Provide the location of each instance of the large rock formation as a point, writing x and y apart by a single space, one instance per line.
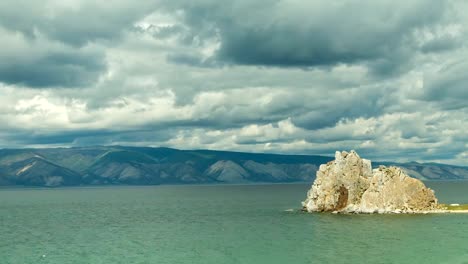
348 184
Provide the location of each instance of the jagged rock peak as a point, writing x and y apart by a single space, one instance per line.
348 184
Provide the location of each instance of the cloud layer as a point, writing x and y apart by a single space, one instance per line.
284 76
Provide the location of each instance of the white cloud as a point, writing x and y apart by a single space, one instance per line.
155 80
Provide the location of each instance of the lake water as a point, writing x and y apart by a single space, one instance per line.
217 224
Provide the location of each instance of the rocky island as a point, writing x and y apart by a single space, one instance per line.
348 184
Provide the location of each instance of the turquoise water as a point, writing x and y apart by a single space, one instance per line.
217 224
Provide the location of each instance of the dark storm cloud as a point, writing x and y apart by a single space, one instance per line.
347 103
63 69
89 137
61 31
449 83
72 22
125 137
302 34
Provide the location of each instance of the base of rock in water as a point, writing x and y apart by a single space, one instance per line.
349 185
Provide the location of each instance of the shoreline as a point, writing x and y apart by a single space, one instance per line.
386 213
396 212
457 211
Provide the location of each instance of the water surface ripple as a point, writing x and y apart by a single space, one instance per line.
217 224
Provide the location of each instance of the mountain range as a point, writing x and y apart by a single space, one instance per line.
118 165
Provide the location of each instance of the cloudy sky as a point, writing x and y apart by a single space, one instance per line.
387 78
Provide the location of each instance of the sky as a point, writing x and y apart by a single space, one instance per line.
386 78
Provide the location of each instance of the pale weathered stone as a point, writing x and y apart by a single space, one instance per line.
391 189
348 184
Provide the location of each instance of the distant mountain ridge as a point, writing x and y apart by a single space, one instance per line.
152 166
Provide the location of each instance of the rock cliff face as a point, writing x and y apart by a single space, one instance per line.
348 184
